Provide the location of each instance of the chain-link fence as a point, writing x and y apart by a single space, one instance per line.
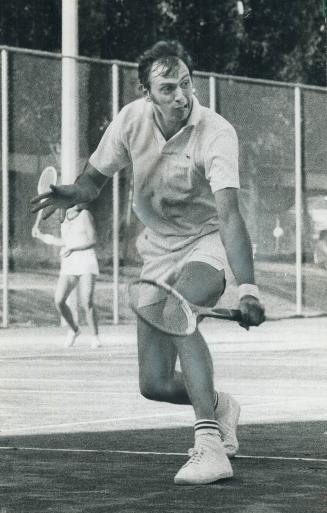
263 114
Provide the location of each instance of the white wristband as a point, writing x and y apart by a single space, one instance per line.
248 289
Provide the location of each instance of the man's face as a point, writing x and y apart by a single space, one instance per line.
171 93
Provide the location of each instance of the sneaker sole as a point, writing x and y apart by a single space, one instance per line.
225 475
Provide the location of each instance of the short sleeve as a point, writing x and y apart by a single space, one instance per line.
111 154
221 160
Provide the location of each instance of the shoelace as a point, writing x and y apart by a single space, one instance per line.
195 455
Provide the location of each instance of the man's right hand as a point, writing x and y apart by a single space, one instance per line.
59 197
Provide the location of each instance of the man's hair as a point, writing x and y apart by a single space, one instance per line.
166 53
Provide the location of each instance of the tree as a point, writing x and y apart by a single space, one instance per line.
284 43
271 40
31 24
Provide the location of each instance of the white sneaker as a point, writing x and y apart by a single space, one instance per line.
227 415
208 462
95 342
71 337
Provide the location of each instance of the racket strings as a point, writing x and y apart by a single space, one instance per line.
160 308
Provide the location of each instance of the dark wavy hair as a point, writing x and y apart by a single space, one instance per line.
166 53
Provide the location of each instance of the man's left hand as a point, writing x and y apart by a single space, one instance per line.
253 312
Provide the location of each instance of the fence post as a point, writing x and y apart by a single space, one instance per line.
212 93
298 197
115 201
5 185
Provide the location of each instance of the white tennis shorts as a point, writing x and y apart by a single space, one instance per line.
164 258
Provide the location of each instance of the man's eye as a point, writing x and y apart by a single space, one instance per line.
185 84
166 89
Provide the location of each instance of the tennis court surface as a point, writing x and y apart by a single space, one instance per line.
76 436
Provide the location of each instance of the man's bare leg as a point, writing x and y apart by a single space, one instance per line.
200 284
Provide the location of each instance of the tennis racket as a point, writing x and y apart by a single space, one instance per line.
161 306
48 177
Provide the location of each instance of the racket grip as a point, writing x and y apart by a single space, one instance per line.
235 315
225 313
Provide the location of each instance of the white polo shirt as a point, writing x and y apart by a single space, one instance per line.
174 180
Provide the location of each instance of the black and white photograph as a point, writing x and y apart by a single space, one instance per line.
163 218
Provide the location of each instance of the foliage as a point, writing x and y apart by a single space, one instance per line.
31 24
272 40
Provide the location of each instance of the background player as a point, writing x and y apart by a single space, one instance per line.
79 266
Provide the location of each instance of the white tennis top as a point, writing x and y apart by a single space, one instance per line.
174 180
74 233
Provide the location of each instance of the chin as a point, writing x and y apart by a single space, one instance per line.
183 113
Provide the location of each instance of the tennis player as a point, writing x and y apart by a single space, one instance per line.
79 265
186 181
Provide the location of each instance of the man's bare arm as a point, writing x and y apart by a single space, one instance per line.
235 236
238 248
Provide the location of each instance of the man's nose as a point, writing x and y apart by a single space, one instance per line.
179 96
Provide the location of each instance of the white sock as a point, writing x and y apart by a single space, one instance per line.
206 427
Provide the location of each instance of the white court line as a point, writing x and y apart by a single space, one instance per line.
66 353
107 391
284 402
136 417
99 421
93 422
63 392
155 453
141 417
281 458
67 380
67 358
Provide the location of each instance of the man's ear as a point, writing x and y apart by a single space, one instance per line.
146 93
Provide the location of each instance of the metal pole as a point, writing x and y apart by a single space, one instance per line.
212 93
298 198
115 207
69 98
69 107
5 185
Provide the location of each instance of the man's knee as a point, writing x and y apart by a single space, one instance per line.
153 389
201 284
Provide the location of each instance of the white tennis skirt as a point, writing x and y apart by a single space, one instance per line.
80 262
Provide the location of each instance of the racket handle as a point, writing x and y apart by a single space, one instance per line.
225 313
235 315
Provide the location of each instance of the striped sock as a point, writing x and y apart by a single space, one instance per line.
206 427
215 404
